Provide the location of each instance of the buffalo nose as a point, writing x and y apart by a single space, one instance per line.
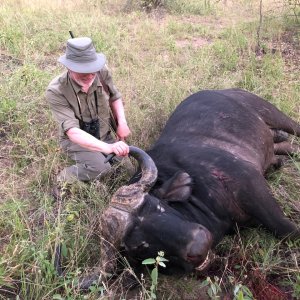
199 246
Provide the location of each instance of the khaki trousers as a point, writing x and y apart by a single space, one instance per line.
89 165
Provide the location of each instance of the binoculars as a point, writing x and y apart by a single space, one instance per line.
92 127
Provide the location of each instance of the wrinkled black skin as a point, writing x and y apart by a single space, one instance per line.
227 189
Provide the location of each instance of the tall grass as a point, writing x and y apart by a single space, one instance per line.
157 60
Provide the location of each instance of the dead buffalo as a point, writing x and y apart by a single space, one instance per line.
204 175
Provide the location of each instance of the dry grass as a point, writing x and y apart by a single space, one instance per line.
157 60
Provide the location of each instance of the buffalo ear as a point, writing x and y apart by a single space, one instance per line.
176 189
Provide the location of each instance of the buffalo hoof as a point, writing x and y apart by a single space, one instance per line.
279 136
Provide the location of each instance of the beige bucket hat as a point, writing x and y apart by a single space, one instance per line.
81 56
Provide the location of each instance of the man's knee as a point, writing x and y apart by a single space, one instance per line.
88 166
97 169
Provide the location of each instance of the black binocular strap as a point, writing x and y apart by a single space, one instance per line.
96 104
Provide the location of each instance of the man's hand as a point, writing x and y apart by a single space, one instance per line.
119 148
117 108
123 131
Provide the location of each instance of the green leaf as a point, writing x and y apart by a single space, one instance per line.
57 297
70 217
64 250
149 261
214 289
261 252
240 295
204 283
154 276
162 264
163 259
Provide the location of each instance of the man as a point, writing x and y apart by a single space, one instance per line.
84 101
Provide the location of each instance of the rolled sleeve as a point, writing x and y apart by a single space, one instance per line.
107 77
62 112
68 124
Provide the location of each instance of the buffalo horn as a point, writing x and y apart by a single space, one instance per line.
117 217
128 198
147 165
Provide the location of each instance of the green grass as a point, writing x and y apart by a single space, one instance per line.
157 60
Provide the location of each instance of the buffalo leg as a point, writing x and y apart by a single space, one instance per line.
286 148
279 135
264 208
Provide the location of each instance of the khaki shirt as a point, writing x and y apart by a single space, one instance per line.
63 94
